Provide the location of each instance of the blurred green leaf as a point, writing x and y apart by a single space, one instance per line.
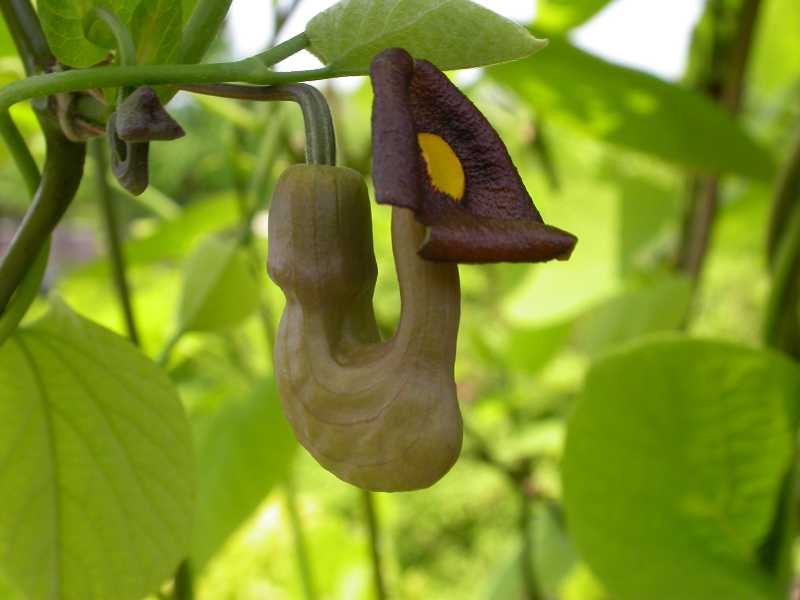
63 24
531 348
98 475
7 47
506 581
234 113
156 29
554 556
776 58
630 108
243 453
673 472
219 290
175 237
553 561
559 16
659 305
452 34
539 439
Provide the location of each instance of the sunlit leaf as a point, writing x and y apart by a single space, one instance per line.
97 471
673 471
630 108
559 16
219 290
244 452
452 34
63 22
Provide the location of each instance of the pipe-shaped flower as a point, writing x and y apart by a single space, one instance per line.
436 154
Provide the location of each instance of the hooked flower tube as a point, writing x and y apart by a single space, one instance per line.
437 155
383 414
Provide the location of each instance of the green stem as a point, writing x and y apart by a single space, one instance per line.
703 205
24 296
282 16
262 176
19 152
164 356
247 71
300 544
126 49
25 29
247 210
781 328
376 558
320 136
183 587
113 239
201 28
283 50
60 180
785 203
526 548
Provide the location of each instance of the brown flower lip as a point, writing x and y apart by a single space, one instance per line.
437 155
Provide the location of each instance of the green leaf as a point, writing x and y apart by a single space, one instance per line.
559 16
452 34
219 290
244 452
156 29
97 470
661 305
675 458
63 24
632 109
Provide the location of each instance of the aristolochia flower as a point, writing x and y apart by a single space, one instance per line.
436 154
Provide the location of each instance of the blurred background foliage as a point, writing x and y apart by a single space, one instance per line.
611 154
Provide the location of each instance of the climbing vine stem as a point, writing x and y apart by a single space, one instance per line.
113 238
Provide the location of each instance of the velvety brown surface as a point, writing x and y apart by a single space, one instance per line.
397 168
496 221
129 160
142 118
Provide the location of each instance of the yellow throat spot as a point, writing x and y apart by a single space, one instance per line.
444 168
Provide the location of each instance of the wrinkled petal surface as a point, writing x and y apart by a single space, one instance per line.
494 219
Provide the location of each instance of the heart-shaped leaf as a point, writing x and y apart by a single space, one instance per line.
675 465
96 464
